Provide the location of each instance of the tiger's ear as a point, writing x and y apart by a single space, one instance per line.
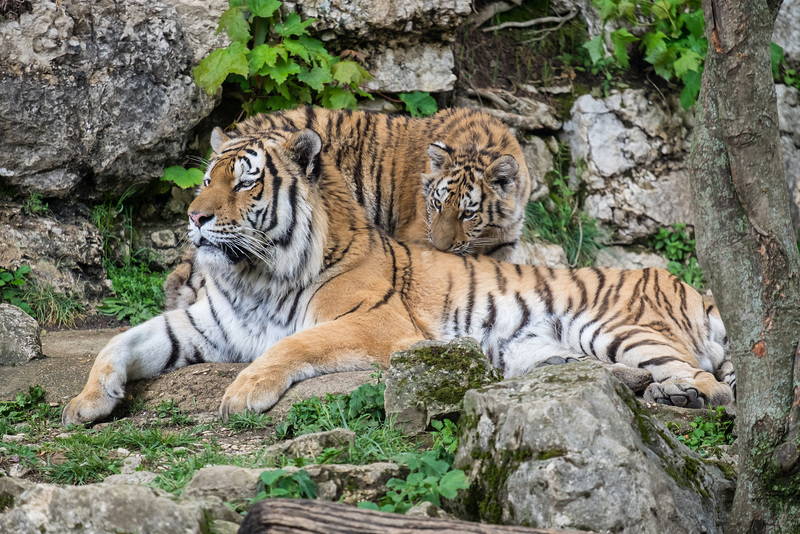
440 156
305 147
502 173
218 138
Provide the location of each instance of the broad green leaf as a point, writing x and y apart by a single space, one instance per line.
620 38
293 26
213 70
282 70
694 22
627 9
348 72
776 55
596 49
183 178
260 56
366 505
689 61
263 8
234 22
269 477
451 482
419 104
315 78
278 102
691 87
297 48
607 8
338 98
22 269
315 47
662 9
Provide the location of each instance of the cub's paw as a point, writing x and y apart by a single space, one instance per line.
675 392
250 391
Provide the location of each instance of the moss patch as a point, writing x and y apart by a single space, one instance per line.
487 493
6 501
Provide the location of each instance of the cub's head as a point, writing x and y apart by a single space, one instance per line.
253 197
471 199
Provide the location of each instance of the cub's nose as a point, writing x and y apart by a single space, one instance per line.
199 219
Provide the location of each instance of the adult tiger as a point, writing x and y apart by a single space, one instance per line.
467 195
300 283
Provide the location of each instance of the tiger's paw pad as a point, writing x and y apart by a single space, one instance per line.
675 393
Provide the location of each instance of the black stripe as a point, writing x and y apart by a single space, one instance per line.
357 306
175 352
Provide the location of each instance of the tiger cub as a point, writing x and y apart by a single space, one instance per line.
456 180
301 283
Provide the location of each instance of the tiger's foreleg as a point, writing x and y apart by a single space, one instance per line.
144 351
352 343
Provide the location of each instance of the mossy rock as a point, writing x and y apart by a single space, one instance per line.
429 381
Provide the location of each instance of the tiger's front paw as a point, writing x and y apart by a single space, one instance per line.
252 391
101 394
676 392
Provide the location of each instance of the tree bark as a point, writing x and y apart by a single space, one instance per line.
747 247
296 516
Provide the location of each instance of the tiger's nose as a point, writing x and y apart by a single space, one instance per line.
199 219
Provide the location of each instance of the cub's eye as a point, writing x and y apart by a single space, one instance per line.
206 181
468 214
437 205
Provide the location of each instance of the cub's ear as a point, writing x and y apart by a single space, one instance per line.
502 173
440 156
305 147
218 138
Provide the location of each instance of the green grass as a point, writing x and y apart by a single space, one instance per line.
138 293
708 433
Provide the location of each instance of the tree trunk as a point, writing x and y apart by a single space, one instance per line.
747 247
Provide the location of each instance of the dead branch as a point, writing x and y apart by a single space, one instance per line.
535 22
491 10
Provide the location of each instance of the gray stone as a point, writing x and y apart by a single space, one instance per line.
629 258
789 124
634 151
137 477
539 159
20 340
569 447
423 67
787 30
108 85
335 482
544 254
10 491
100 508
429 380
312 445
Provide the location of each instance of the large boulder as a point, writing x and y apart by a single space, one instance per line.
789 125
570 447
100 89
19 336
634 148
787 30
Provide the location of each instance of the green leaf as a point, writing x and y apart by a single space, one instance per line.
315 78
348 72
183 178
627 9
234 22
315 47
270 477
689 61
607 8
263 8
620 38
419 104
776 55
282 70
366 505
596 49
296 47
691 87
260 56
451 482
293 26
213 70
338 98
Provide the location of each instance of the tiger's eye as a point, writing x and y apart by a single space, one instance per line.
469 214
437 205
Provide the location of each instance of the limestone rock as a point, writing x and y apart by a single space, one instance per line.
312 445
544 254
335 482
99 508
569 447
789 124
422 67
628 258
19 336
539 159
100 88
635 149
787 30
429 380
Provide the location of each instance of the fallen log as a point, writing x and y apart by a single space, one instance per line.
294 516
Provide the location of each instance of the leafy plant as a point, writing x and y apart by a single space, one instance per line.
35 206
419 104
138 291
673 41
275 62
249 421
708 433
431 475
182 177
11 290
279 483
678 246
19 410
780 70
558 218
171 414
45 304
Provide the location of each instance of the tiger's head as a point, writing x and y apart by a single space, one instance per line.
471 199
253 205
